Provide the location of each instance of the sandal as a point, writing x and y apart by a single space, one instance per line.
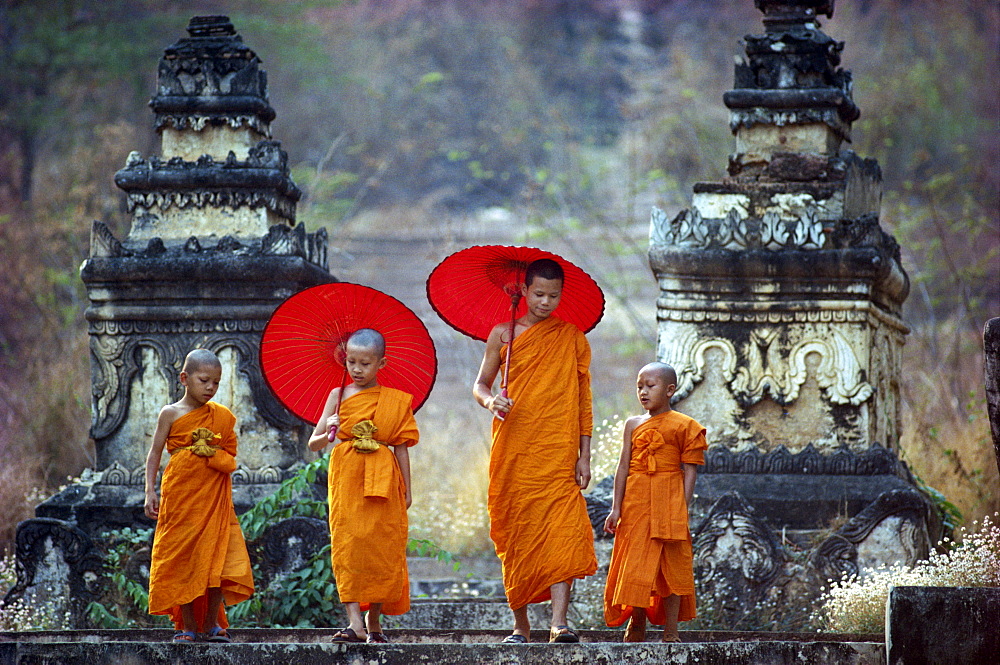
563 635
514 639
185 636
346 635
218 634
671 639
376 637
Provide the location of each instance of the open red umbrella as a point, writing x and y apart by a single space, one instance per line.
472 289
476 288
302 348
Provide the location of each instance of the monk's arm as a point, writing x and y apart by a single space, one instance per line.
163 422
321 433
621 476
690 475
482 390
402 453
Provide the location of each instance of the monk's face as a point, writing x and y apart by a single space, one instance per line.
363 364
542 296
201 383
654 390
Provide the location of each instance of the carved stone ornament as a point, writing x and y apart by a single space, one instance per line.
891 529
211 77
766 365
117 474
688 230
875 460
260 181
56 562
736 556
116 361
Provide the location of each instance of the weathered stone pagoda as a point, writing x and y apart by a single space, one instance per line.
213 249
780 300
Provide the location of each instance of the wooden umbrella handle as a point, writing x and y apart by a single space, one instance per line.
514 300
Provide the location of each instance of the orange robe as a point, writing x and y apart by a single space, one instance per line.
198 543
538 517
367 496
652 558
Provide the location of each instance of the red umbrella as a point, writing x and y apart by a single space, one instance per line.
476 288
302 348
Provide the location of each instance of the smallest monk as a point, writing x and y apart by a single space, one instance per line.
651 575
368 489
199 556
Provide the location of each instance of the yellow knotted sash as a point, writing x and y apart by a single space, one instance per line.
660 464
201 443
379 469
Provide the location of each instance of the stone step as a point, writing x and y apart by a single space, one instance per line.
463 615
312 646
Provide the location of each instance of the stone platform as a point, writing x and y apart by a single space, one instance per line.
312 646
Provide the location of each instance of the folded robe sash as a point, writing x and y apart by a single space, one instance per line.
662 465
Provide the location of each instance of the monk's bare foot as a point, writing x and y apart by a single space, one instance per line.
635 631
670 637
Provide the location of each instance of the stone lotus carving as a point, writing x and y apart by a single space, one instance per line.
688 230
117 474
767 365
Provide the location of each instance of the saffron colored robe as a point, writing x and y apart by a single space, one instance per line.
198 543
367 497
538 517
652 556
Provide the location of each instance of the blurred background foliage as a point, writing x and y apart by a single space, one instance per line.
571 114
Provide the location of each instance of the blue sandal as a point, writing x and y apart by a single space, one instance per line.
218 634
185 636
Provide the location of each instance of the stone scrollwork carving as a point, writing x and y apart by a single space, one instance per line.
116 363
56 561
766 365
902 513
736 556
689 230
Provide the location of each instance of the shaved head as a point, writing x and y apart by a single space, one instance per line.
200 358
544 268
368 338
663 370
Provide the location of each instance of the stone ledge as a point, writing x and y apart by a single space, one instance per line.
601 653
926 625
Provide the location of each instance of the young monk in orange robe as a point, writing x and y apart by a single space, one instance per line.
369 490
540 458
199 557
651 573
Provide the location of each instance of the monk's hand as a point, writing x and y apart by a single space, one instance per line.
333 422
611 523
500 405
152 505
583 472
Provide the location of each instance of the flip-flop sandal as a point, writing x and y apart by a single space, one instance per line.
514 639
346 635
185 636
218 634
672 639
375 637
563 635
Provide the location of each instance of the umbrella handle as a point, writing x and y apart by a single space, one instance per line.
333 430
514 300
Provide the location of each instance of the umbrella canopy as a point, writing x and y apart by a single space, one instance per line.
471 289
302 348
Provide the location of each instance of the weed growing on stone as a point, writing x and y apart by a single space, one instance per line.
857 604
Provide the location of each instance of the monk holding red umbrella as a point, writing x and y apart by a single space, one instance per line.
540 458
